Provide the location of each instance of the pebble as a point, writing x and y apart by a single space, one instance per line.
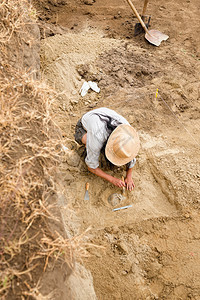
74 102
122 246
124 273
89 2
112 275
187 216
162 7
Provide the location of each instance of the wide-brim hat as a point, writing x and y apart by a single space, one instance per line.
123 145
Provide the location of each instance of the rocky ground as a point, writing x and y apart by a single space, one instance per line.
151 250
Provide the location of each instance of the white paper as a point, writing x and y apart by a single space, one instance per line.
89 85
94 86
84 89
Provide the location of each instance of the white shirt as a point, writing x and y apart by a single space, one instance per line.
97 134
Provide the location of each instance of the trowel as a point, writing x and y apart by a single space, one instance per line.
86 192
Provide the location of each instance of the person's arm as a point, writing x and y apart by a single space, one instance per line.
116 181
129 181
93 147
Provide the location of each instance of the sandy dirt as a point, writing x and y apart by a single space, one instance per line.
151 250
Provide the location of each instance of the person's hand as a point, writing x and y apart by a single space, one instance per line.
129 184
118 182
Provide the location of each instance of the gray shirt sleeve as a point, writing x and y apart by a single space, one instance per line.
131 164
93 148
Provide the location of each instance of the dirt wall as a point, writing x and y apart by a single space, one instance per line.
30 146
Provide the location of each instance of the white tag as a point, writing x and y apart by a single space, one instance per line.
84 89
94 86
87 85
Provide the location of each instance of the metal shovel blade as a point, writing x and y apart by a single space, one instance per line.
155 37
86 192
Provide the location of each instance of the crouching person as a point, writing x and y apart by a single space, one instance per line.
103 128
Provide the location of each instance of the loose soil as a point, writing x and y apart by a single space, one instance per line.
151 250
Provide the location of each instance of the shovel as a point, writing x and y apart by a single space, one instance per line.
123 189
153 36
138 27
86 192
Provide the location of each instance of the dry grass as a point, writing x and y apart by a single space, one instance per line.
13 18
66 250
30 145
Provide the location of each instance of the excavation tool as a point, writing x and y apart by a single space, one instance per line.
138 27
153 36
86 192
123 207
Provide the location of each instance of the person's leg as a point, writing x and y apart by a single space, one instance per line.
80 132
84 139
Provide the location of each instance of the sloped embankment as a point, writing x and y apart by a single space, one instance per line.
37 256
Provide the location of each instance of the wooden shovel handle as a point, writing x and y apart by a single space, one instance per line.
123 181
87 186
137 15
145 7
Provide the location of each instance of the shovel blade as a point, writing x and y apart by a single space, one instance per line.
86 196
155 37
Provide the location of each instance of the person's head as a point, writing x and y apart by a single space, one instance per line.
123 145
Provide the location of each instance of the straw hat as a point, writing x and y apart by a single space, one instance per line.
123 145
